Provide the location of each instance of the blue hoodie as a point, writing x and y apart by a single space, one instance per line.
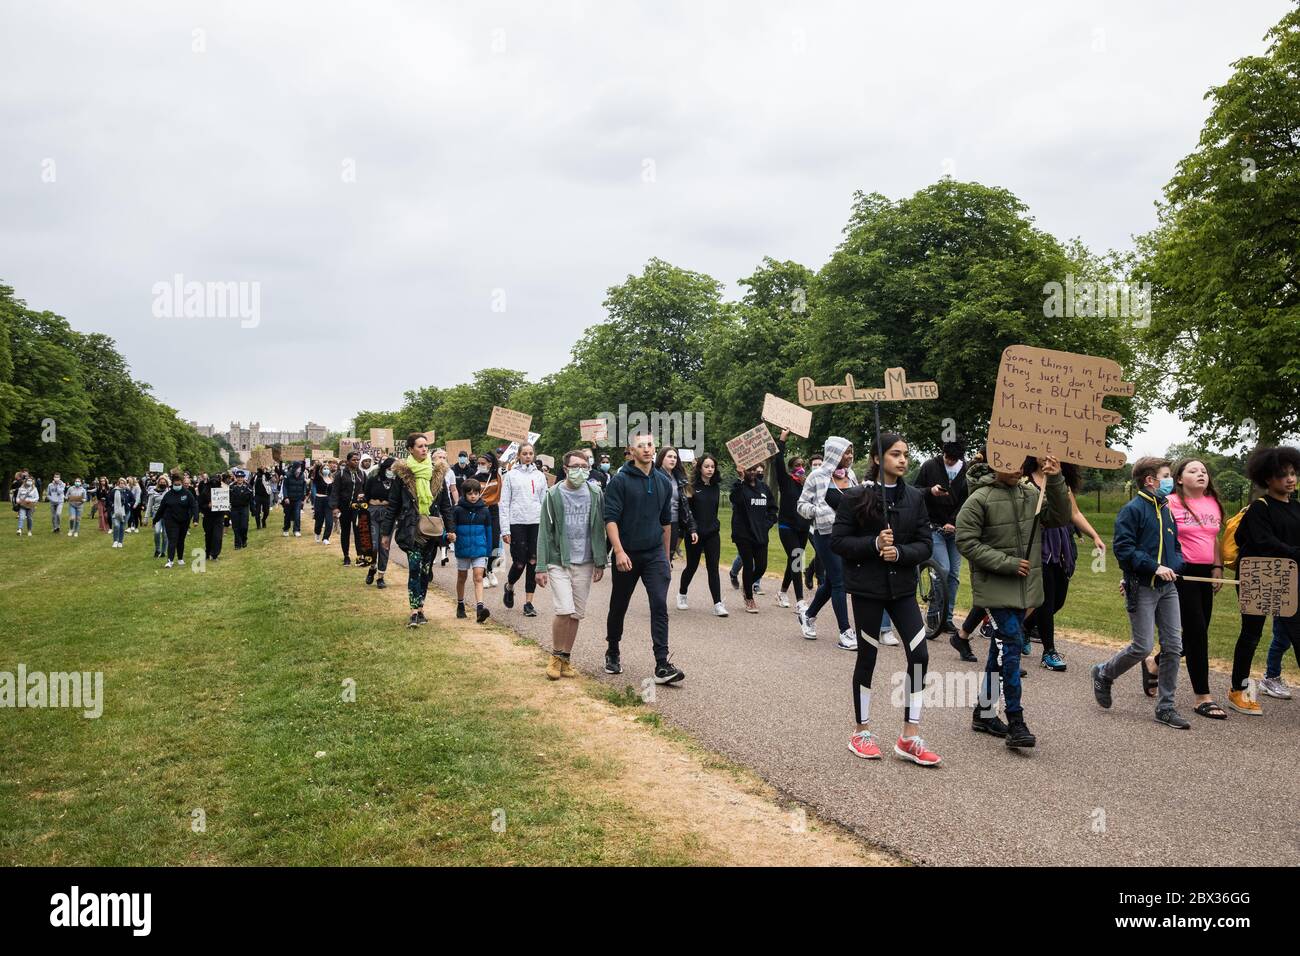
1147 537
641 505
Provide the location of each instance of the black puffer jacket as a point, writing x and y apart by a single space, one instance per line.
866 573
753 512
402 504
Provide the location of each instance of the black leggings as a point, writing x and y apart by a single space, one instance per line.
753 563
348 524
176 531
1252 626
793 541
709 546
523 552
1195 605
1055 587
906 618
973 620
261 509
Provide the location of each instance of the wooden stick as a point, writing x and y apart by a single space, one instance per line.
1233 581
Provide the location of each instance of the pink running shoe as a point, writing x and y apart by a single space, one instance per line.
863 743
915 750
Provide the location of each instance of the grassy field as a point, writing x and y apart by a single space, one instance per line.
1093 608
224 694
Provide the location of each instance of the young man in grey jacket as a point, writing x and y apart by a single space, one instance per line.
55 492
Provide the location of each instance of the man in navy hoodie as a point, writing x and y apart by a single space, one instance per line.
1147 548
638 520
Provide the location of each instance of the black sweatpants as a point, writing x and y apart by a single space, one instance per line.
239 523
214 531
906 617
261 511
176 532
708 547
523 552
650 568
753 563
793 541
347 524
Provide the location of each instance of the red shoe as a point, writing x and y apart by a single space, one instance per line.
863 743
916 751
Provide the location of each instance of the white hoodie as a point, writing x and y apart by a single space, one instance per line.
522 490
812 501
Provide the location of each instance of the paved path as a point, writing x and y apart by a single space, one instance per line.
1102 787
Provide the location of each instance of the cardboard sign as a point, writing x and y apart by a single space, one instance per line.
454 448
1050 403
220 499
752 447
594 430
292 452
1268 586
686 454
157 467
547 460
262 458
509 424
897 389
382 439
787 415
550 480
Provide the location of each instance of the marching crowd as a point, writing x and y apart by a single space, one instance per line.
869 538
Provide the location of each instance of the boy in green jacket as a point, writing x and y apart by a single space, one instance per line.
993 534
571 554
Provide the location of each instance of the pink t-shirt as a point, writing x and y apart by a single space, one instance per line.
1198 521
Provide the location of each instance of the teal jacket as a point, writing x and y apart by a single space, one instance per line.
553 534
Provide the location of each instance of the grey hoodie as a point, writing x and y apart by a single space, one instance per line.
812 502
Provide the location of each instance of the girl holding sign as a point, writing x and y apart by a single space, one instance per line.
1270 528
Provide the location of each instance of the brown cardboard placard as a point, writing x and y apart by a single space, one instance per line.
381 439
292 452
787 415
456 446
1050 403
594 429
1268 586
509 424
896 389
547 460
752 447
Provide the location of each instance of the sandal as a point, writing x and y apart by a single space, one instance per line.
1149 681
1211 710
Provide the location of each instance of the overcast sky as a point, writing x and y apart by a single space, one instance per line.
382 170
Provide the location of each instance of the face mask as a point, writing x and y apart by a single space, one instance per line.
577 475
325 472
604 466
389 474
463 460
482 473
841 472
1166 485
77 483
799 472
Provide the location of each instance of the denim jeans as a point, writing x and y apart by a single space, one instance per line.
832 586
944 551
160 538
651 569
74 517
56 514
1157 608
26 518
119 528
1277 650
293 514
1004 660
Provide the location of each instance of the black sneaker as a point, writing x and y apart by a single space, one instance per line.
346 561
529 610
380 585
423 619
482 614
1018 734
370 576
735 581
508 596
987 725
612 664
1172 718
414 621
1100 686
460 610
963 648
669 673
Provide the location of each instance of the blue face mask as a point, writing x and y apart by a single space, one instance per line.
604 466
1166 486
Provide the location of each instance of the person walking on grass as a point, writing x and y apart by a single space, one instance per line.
55 493
1147 549
703 495
76 500
471 529
522 490
214 522
996 534
379 493
322 480
178 509
293 491
1270 528
421 511
263 491
571 554
753 512
638 523
26 498
347 489
119 507
241 504
152 504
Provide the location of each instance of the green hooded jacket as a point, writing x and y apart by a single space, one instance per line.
993 530
553 533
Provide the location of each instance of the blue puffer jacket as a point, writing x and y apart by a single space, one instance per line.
473 526
1147 537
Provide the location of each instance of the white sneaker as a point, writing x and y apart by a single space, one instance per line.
76 534
888 639
29 534
492 580
69 534
848 641
1275 687
325 541
807 624
286 534
801 606
297 534
317 537
681 603
180 562
782 600
167 565
720 609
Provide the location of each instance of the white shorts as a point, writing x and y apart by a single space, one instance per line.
569 588
465 564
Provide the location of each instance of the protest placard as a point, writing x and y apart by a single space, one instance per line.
547 460
1050 403
896 389
752 447
381 439
156 467
454 448
1268 586
686 454
220 499
509 424
292 452
786 415
594 430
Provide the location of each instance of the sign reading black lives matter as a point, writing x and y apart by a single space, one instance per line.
1050 403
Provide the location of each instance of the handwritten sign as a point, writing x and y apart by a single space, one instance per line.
454 448
1050 403
547 460
686 454
787 415
897 389
220 499
156 467
594 430
508 424
381 439
292 452
752 447
1268 586
261 458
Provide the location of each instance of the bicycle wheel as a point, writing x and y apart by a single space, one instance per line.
932 595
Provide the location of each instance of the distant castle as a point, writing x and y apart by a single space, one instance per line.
244 440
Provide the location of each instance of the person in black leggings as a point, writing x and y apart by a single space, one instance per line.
178 509
791 527
753 512
882 532
702 496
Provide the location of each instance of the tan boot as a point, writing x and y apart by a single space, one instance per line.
566 669
555 668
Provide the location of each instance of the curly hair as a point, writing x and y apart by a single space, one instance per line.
1266 463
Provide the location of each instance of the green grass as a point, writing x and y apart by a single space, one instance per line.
222 687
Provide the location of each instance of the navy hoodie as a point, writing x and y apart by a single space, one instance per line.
641 505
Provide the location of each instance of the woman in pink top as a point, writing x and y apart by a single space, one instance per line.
1195 506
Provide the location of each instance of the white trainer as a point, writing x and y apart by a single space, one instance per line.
808 625
847 640
782 600
167 565
888 639
720 609
1275 687
801 606
682 604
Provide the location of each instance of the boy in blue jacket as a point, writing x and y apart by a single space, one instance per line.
472 524
1147 548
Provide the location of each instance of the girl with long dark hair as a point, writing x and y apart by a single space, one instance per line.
702 498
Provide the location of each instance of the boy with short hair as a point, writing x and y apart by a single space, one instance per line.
1147 549
472 524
